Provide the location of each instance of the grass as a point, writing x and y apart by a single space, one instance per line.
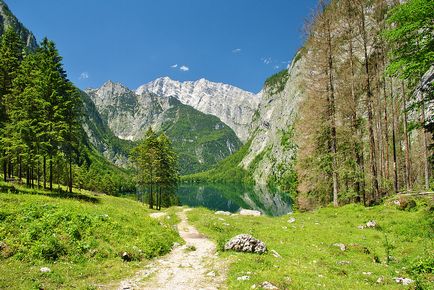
80 237
402 246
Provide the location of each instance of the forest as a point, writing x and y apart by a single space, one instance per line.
366 124
42 141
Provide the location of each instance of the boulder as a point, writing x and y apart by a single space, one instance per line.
220 212
126 257
371 224
45 270
250 212
340 246
403 281
246 243
268 285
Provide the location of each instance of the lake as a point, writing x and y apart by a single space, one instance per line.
232 197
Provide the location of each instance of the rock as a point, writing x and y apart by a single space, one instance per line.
211 274
126 257
403 281
380 280
268 285
250 212
291 220
275 254
253 286
243 278
340 246
371 224
245 243
45 270
220 212
367 273
343 263
175 245
361 227
397 202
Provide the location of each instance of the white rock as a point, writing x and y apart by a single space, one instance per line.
341 246
291 220
403 281
367 273
220 212
211 274
268 285
45 270
243 278
371 224
250 212
245 243
361 227
275 254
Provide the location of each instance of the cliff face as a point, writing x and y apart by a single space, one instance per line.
7 19
233 106
272 151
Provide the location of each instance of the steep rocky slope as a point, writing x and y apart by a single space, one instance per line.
7 19
232 105
201 140
272 151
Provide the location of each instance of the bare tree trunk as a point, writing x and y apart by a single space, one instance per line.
395 161
425 147
407 141
373 157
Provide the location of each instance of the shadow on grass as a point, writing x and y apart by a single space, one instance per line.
9 188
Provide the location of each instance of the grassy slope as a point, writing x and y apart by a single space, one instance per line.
309 261
79 238
194 134
226 170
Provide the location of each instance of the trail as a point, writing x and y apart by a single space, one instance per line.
194 265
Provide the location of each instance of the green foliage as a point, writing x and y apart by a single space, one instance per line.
410 34
78 239
199 139
276 83
157 167
228 170
309 258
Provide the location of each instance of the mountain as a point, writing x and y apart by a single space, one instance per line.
201 140
7 19
232 105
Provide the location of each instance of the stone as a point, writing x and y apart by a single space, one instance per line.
403 281
275 254
343 263
341 246
268 285
291 220
126 257
211 274
367 273
245 243
243 278
250 212
380 280
45 270
361 227
220 212
371 224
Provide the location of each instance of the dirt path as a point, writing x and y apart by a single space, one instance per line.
194 265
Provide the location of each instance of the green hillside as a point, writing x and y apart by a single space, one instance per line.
200 140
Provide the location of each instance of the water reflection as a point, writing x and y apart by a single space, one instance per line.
232 197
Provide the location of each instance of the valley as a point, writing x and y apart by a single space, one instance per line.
319 176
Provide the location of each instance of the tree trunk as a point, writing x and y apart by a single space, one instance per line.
425 147
45 172
407 141
395 161
372 155
51 172
70 174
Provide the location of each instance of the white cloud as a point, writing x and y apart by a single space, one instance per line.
236 50
276 66
184 68
84 75
266 60
174 66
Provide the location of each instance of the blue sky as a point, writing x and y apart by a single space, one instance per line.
240 42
